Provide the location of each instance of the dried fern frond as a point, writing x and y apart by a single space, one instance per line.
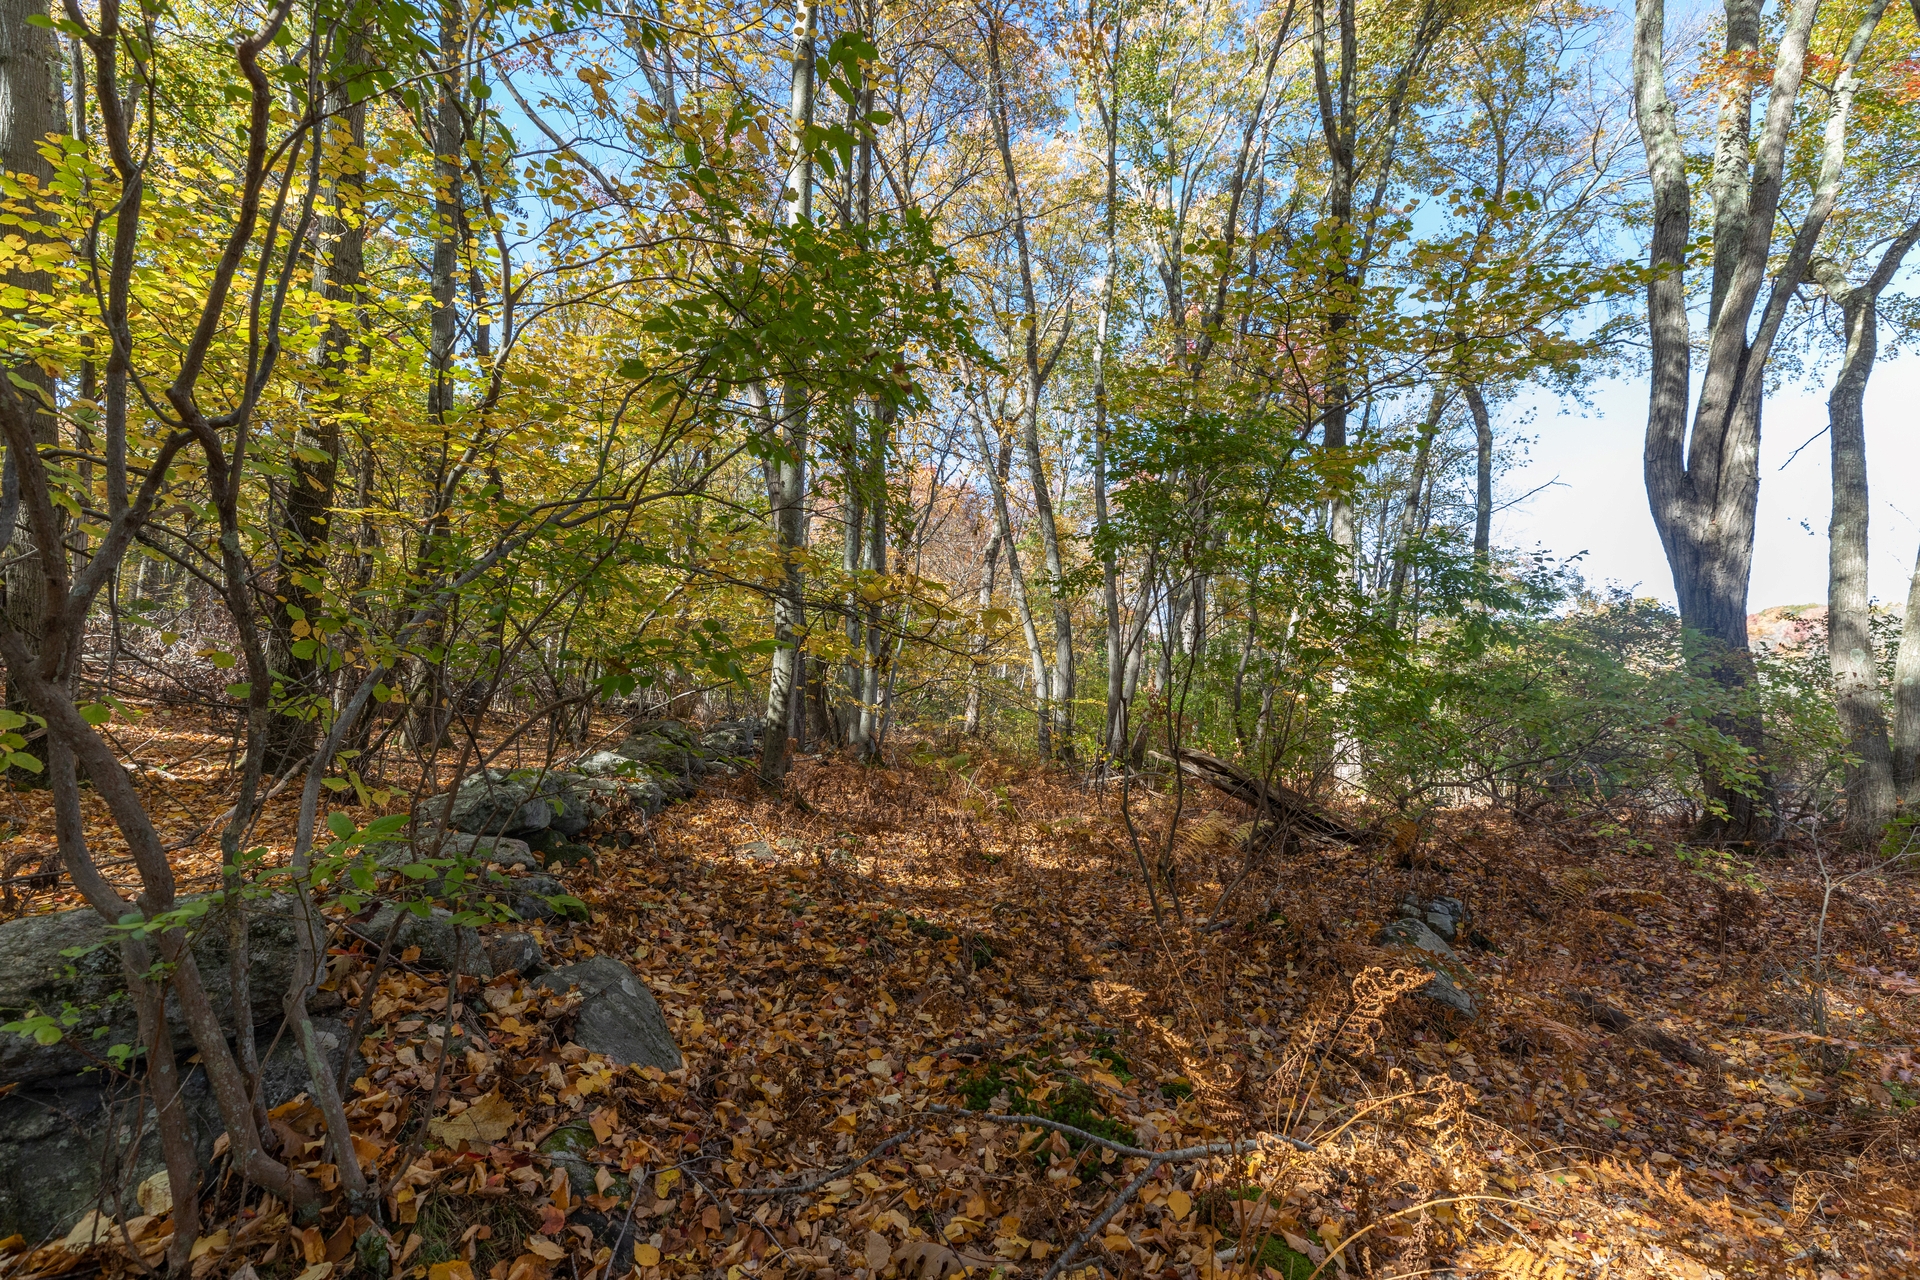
1616 898
1539 1032
1374 991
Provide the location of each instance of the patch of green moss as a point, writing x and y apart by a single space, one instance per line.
1288 1261
1075 1103
1176 1090
927 929
444 1220
1114 1060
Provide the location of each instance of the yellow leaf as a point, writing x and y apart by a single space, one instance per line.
663 1182
1179 1204
207 1244
97 1228
541 1245
645 1255
455 1270
487 1121
318 1271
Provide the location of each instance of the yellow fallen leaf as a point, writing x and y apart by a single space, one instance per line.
318 1271
1179 1204
454 1270
96 1227
541 1245
207 1244
645 1255
879 1252
663 1182
487 1121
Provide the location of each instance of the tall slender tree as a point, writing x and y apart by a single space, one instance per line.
787 474
1703 483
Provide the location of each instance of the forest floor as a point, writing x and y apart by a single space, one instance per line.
970 933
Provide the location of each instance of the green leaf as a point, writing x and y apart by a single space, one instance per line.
568 905
241 690
96 713
340 824
21 760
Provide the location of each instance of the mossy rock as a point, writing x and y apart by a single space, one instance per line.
562 854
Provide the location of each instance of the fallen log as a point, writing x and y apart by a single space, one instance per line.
1287 807
1646 1034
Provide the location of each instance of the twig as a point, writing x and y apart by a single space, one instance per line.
1114 1206
1120 1148
814 1184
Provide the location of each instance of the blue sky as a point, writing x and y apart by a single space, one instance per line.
1599 504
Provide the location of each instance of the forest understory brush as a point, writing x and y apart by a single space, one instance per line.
1639 1091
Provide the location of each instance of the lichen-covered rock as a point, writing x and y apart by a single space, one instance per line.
1413 933
90 988
443 944
67 1145
435 842
1442 990
515 952
618 1015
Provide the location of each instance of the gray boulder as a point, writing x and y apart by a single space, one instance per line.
496 803
443 944
515 953
67 1146
1442 990
618 1015
666 745
731 739
91 988
435 842
1413 933
1430 951
1447 917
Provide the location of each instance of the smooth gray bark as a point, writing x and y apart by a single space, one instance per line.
1482 474
1703 483
1035 368
1906 699
30 109
787 478
1871 789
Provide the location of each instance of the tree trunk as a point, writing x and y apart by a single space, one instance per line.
1410 513
1906 699
1703 484
1059 693
306 527
428 714
1016 581
853 529
872 713
1856 679
787 478
1339 97
1871 788
1113 735
30 109
1482 476
976 679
